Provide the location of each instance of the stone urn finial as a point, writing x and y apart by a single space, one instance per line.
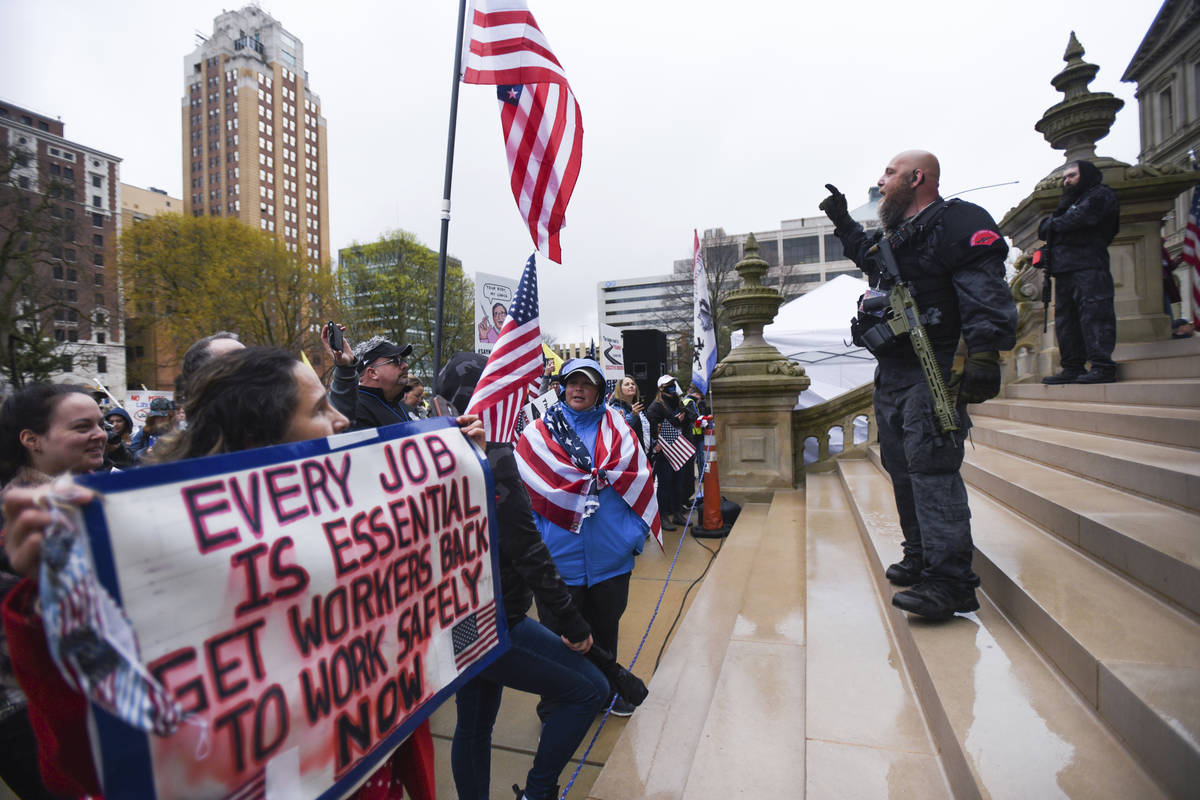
1083 117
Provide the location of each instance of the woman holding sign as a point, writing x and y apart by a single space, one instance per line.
45 430
249 398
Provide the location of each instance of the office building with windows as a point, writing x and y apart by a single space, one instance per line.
254 139
802 253
59 221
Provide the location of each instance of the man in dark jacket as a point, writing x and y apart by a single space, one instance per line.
952 257
1077 235
369 381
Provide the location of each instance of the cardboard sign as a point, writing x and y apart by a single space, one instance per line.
611 355
138 404
536 407
493 295
309 603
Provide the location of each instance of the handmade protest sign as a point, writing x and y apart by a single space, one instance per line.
307 604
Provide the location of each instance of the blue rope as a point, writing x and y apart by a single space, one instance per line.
667 582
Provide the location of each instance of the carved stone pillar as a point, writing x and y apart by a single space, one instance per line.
754 391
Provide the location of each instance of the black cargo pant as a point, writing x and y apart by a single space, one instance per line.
1085 321
924 466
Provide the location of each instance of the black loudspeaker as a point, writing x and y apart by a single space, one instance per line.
645 359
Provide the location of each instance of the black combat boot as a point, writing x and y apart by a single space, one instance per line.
907 571
1066 376
1095 375
935 600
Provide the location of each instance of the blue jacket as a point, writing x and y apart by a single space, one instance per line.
609 539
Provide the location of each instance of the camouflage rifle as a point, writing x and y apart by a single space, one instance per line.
901 317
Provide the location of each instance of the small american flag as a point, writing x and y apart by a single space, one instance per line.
542 124
675 446
474 635
253 789
1191 251
515 364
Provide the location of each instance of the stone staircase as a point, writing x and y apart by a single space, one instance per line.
1078 677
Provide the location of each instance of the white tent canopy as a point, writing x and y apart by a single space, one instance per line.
814 330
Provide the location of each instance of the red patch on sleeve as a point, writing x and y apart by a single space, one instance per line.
984 238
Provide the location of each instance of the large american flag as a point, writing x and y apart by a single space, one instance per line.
542 124
514 366
558 489
675 446
474 635
1191 251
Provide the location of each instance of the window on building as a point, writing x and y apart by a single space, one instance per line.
72 296
97 220
768 251
1166 112
101 361
96 181
72 274
98 259
98 279
57 272
60 335
98 239
96 201
833 248
68 255
803 250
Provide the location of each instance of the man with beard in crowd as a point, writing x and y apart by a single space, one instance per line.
1077 236
952 257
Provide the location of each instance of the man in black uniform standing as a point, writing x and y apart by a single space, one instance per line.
952 257
1077 236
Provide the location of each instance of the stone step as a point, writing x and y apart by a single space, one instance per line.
656 752
1131 655
865 735
747 744
1169 392
1161 472
1007 725
1164 425
1154 544
1173 358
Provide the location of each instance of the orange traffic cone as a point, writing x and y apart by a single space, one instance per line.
712 525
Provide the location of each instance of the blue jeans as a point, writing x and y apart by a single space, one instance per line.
537 662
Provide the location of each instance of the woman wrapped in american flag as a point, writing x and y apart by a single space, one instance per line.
592 492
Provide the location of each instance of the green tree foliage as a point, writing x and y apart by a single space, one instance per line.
33 227
389 288
193 276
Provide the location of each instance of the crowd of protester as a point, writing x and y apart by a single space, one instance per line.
231 397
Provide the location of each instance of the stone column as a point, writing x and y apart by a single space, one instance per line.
1146 193
754 390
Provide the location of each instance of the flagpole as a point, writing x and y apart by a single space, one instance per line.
441 286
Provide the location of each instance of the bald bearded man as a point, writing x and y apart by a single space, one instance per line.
951 255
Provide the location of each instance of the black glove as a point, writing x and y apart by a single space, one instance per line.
1044 228
980 378
834 207
622 681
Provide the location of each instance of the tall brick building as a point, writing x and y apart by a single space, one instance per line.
69 195
254 140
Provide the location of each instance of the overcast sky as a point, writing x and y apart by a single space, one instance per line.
696 114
